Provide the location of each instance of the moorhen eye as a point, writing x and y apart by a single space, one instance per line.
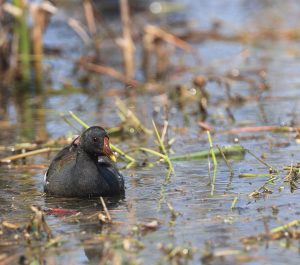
76 170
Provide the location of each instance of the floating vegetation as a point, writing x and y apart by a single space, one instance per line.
293 177
130 119
176 254
108 217
34 233
174 94
235 150
9 159
281 232
234 201
37 226
252 175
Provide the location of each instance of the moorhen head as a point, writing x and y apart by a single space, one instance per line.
85 168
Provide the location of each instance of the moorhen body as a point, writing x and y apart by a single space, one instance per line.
85 168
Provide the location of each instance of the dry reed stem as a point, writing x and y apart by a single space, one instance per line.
249 37
168 37
9 159
147 51
164 131
77 27
262 128
12 9
105 209
106 70
127 43
89 16
270 167
40 20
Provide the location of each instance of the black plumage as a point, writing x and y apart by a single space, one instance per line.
85 168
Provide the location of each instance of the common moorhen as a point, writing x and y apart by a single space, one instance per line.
85 168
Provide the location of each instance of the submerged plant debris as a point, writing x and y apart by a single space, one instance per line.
201 102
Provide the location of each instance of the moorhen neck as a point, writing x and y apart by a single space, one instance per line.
85 168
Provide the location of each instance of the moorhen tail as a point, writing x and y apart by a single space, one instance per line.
85 168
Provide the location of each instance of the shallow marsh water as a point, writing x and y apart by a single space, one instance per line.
203 219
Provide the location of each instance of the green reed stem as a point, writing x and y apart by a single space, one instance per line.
80 121
286 226
231 150
22 31
161 144
270 167
234 201
215 164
